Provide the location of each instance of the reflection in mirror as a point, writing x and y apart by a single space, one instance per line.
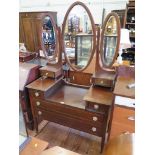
48 37
78 37
109 41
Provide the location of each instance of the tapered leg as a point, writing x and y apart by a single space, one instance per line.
102 143
36 124
110 121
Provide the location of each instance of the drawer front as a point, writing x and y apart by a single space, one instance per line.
102 82
47 73
81 114
98 108
69 122
123 121
80 78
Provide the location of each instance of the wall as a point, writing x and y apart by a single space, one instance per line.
61 6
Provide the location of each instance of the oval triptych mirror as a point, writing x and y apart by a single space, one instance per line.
110 39
49 37
79 36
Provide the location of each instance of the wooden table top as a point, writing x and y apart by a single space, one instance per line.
121 88
42 84
34 147
99 95
69 95
121 145
58 151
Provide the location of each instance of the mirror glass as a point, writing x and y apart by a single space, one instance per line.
109 44
48 37
78 37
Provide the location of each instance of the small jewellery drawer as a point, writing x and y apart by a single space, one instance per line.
73 112
102 82
36 94
47 73
69 121
99 108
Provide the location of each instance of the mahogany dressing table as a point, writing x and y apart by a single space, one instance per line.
83 107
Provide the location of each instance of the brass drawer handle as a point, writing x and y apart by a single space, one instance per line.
39 113
131 118
36 94
93 129
95 118
96 106
46 74
38 103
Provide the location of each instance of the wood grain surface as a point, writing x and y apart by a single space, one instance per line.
121 145
121 87
58 151
34 147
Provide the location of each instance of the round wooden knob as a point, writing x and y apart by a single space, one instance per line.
95 118
93 129
39 113
38 103
96 106
36 94
101 82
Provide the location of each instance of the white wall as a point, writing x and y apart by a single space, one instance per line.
61 6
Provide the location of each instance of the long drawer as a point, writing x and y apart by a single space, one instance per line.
123 121
97 108
70 122
69 111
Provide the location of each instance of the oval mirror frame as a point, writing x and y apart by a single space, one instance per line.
56 36
93 30
112 14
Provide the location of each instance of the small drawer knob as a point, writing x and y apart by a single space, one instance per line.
101 82
36 94
46 74
39 113
38 103
93 129
90 81
73 78
95 118
96 106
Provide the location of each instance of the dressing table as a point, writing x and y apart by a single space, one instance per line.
85 107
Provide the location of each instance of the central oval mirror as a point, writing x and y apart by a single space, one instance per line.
49 37
79 36
110 39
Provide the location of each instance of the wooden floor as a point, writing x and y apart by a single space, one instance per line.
68 138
